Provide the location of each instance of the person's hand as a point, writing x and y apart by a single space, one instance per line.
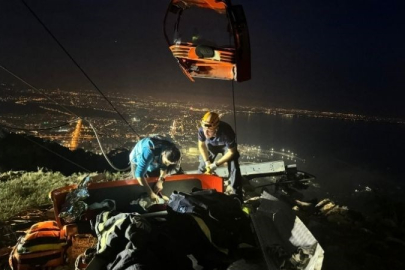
213 167
165 198
158 186
154 197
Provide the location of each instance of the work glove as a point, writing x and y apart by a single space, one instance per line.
213 167
154 197
207 167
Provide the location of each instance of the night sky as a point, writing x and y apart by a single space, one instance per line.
335 55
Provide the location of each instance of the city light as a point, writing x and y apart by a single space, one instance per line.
178 120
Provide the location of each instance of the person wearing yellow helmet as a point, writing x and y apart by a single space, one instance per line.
217 137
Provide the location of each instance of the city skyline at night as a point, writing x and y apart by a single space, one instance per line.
29 109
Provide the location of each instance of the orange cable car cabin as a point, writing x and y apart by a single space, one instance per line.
213 55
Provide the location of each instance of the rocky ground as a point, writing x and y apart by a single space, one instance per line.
351 241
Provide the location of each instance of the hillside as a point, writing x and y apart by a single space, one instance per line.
28 153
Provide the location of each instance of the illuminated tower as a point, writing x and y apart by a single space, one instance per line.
76 136
173 128
182 128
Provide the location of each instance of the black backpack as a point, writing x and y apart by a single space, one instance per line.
222 214
218 206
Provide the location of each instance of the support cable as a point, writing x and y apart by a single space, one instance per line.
39 129
102 151
49 150
90 80
234 109
95 132
42 93
233 91
78 117
78 66
36 89
53 152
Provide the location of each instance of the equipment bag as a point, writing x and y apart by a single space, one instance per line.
43 245
218 206
220 216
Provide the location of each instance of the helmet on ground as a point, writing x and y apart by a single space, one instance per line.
210 120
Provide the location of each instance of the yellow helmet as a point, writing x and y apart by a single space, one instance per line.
210 120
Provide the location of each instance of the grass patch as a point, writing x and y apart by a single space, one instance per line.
26 190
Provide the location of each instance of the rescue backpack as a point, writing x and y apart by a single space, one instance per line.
44 245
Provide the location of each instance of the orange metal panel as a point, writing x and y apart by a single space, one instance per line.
58 196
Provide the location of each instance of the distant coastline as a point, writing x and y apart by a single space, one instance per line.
14 98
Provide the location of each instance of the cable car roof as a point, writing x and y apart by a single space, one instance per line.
219 6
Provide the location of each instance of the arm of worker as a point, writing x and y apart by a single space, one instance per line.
143 162
228 155
202 147
143 182
159 184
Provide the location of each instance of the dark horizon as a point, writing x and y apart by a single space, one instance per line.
19 104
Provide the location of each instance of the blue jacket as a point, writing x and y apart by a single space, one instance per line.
146 156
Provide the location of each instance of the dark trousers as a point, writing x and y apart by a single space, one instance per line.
235 176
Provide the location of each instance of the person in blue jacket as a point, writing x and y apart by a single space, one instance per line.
152 157
217 137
